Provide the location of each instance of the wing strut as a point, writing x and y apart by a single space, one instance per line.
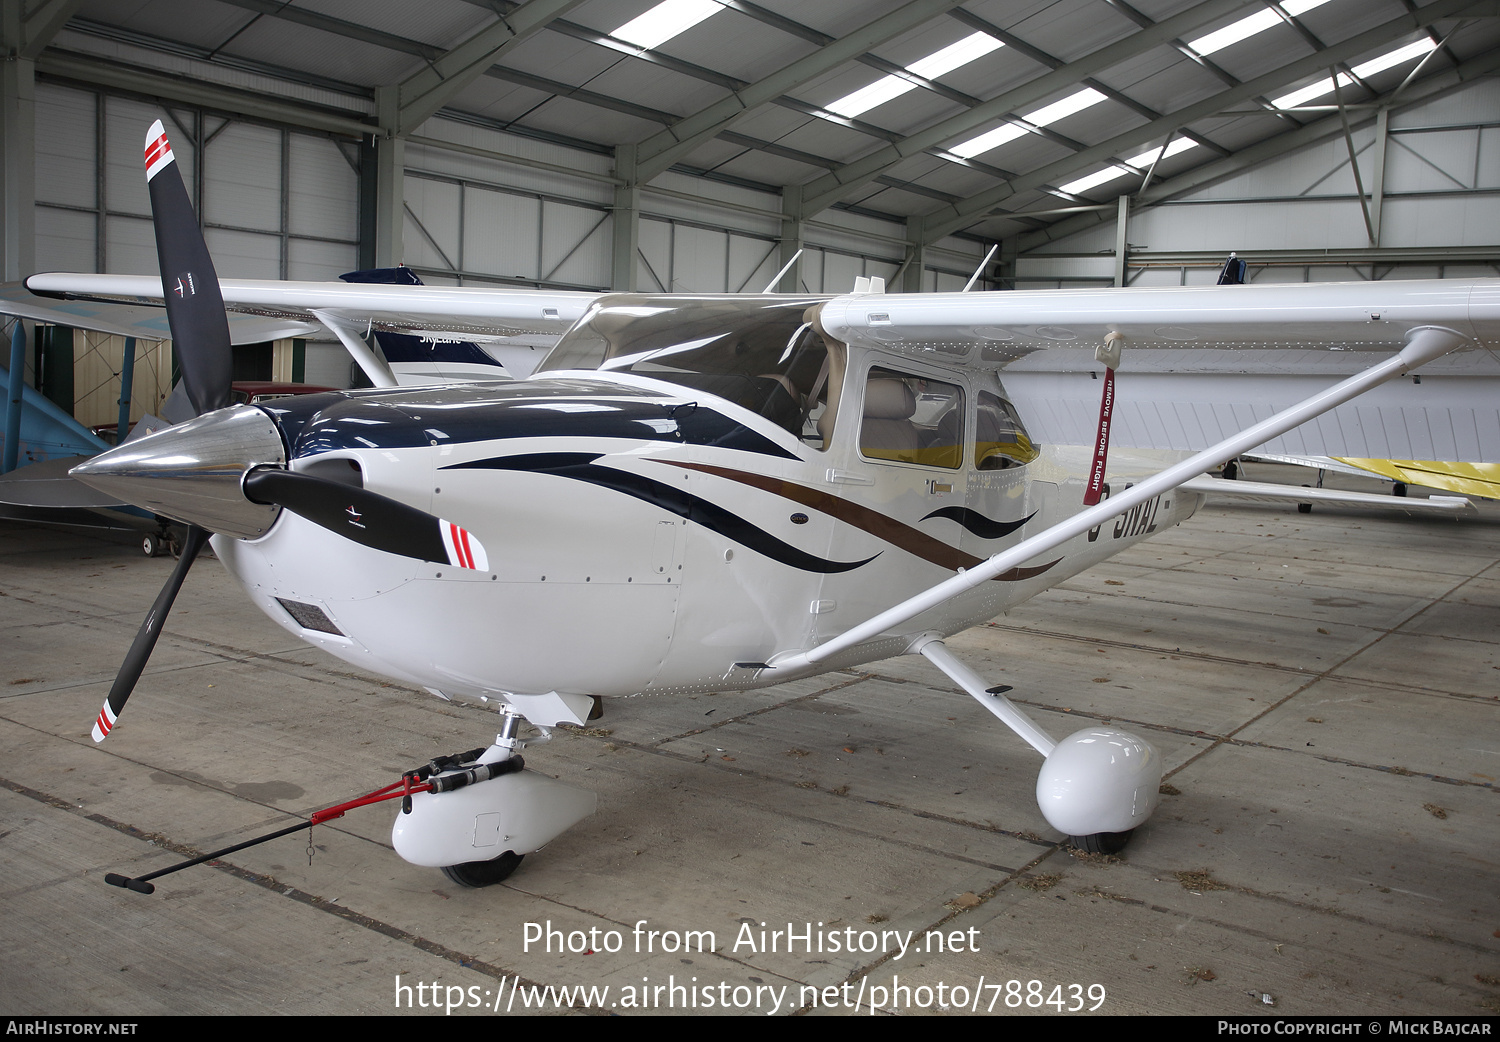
1423 344
993 699
379 373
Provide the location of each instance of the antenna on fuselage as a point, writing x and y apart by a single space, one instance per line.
980 270
771 286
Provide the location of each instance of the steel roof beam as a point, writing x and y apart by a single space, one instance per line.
283 11
827 189
420 95
1272 148
32 32
658 152
977 207
135 80
1041 57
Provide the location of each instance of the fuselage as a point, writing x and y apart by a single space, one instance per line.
698 502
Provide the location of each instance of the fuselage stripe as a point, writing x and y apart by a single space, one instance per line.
579 467
881 526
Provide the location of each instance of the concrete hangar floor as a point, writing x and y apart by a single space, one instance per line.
1323 688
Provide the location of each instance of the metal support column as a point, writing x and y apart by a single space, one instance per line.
627 222
127 379
1377 182
915 264
792 231
390 176
1122 224
17 167
17 390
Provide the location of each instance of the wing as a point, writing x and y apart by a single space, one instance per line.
512 325
142 321
1200 363
1471 479
481 313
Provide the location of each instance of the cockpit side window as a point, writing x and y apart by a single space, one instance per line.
912 419
1000 441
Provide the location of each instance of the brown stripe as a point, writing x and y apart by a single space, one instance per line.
881 526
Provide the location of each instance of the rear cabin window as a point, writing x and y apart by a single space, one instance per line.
1000 438
912 419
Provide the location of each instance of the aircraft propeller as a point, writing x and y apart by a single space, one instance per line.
366 517
168 471
200 336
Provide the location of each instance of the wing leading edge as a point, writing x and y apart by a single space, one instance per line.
458 309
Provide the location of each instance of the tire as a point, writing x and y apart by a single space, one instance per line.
475 874
1098 843
151 546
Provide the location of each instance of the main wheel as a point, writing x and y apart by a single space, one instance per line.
151 546
1098 843
475 874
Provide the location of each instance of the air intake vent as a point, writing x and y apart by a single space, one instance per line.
309 616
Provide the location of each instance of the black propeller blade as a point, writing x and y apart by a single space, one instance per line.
195 305
200 339
145 639
367 518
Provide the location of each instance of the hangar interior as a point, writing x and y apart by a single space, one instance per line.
1327 843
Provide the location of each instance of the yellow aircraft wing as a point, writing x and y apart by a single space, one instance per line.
1471 479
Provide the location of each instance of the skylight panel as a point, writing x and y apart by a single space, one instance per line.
955 55
1134 165
1073 103
931 67
1145 159
1094 180
1260 21
867 98
1399 56
984 142
1061 109
1247 27
664 21
1389 60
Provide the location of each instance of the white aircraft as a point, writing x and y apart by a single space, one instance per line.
715 492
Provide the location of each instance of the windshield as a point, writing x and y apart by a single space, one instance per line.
759 352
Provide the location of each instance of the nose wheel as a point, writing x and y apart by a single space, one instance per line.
475 874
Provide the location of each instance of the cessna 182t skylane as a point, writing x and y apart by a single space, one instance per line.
704 493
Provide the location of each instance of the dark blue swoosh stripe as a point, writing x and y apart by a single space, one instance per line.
977 523
578 466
